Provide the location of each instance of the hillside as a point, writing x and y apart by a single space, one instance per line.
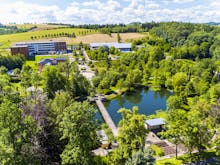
82 35
100 38
7 40
37 27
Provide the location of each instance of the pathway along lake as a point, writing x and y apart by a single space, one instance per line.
148 102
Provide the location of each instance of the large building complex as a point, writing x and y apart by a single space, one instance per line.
34 48
123 47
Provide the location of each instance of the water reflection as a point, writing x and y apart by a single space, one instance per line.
147 100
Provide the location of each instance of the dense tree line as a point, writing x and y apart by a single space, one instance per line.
11 29
50 127
46 126
11 62
72 35
42 122
117 28
184 61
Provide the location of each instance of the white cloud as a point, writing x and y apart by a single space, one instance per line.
152 5
110 11
182 1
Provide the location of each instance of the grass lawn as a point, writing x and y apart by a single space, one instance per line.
158 114
34 63
186 159
7 40
39 26
118 92
170 161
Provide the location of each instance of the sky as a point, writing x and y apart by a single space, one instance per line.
108 11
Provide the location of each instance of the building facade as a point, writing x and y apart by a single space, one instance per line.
20 50
35 48
123 47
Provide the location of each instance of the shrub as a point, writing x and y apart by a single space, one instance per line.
157 150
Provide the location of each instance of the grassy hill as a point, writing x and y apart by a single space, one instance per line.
38 26
7 40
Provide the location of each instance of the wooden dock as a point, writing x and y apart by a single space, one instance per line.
107 117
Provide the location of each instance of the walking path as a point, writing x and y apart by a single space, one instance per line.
89 74
87 59
71 58
107 117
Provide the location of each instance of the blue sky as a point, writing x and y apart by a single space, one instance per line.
108 11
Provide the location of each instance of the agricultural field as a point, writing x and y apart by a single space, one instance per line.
7 40
38 26
106 38
97 37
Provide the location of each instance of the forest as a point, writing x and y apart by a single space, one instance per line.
45 119
11 29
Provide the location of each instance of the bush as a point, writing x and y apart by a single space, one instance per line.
157 150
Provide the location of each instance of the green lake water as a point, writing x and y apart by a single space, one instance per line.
148 102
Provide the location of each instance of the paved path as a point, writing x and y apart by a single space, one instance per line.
87 59
107 117
71 58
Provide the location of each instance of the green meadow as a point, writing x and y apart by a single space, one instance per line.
7 40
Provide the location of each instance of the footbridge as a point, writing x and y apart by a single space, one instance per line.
107 117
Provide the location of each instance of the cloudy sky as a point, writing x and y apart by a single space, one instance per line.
108 11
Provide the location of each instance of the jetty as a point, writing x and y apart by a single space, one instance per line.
107 117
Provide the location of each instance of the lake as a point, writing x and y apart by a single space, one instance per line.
148 102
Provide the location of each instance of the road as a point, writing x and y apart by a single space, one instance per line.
87 59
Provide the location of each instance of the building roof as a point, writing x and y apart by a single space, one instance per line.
19 46
45 61
38 42
111 44
51 60
60 59
155 122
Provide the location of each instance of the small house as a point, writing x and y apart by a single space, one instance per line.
50 61
154 124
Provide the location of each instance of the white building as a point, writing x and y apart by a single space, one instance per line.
123 47
43 47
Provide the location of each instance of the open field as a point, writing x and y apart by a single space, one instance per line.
107 38
100 38
92 36
39 26
8 40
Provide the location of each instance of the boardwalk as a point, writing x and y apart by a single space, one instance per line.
107 117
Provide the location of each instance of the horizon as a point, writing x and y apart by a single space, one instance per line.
60 23
109 12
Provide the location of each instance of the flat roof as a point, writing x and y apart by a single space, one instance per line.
155 122
19 46
39 42
111 44
45 61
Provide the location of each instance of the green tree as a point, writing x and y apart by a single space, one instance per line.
54 81
144 157
16 136
78 128
131 136
179 82
118 37
176 121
